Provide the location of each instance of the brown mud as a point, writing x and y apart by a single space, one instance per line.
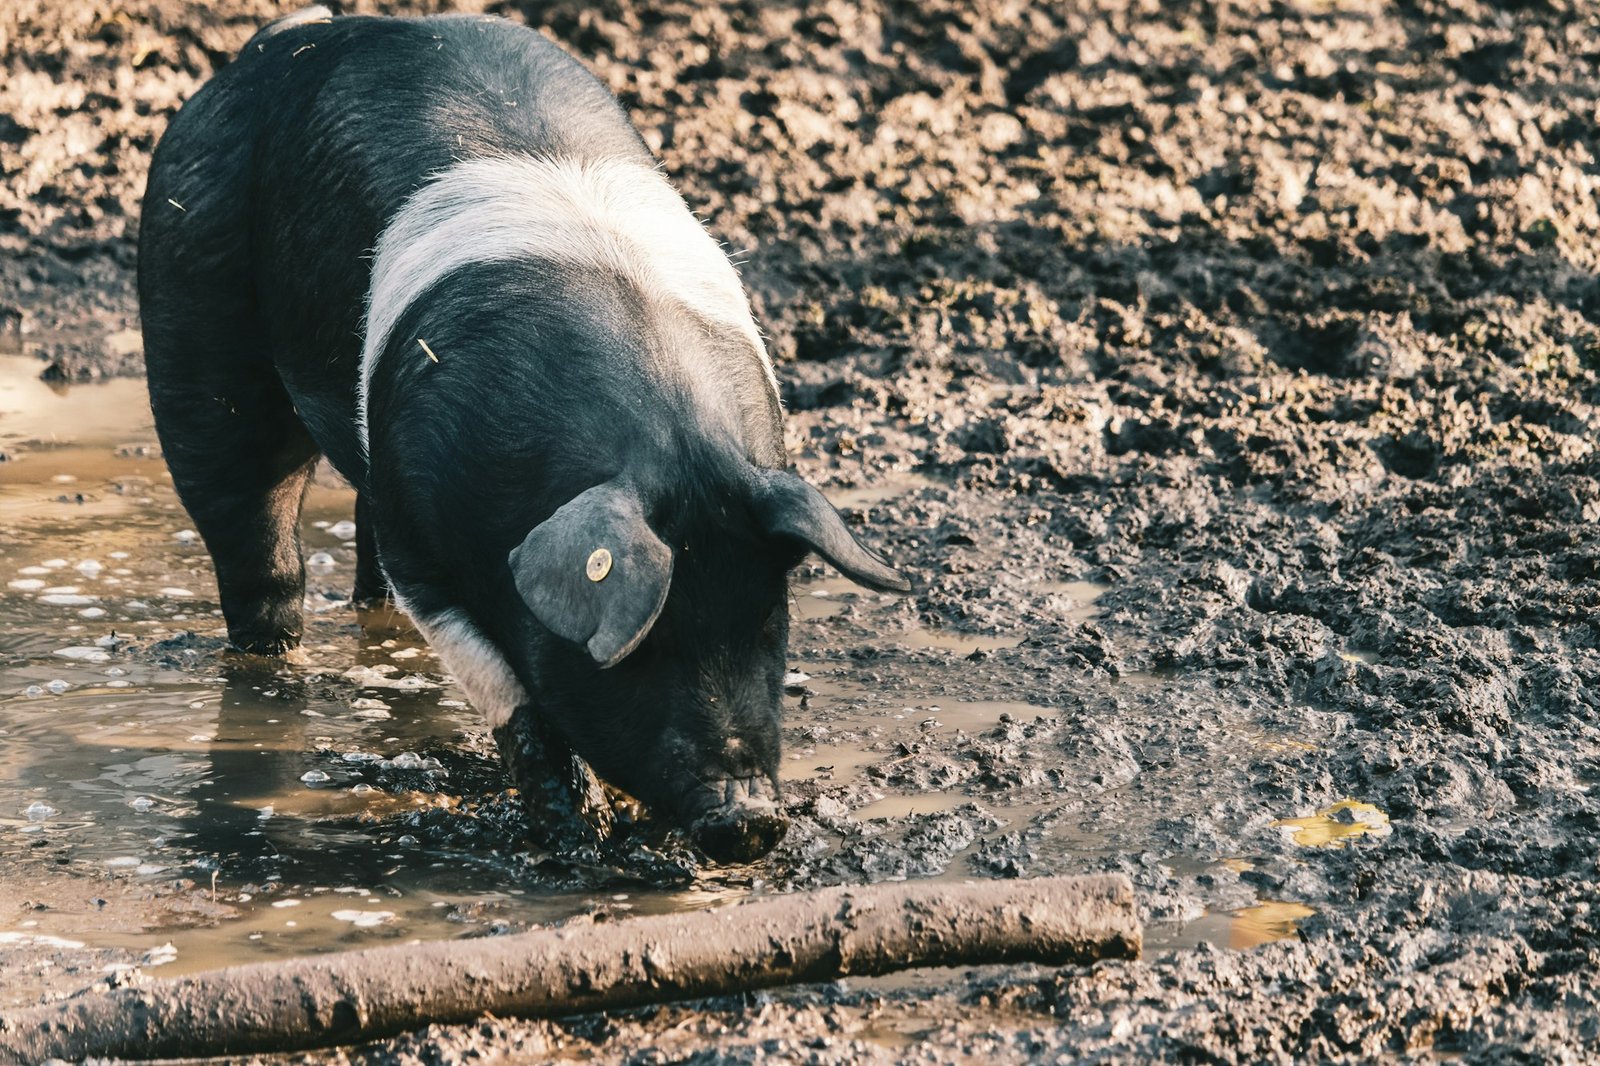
1225 376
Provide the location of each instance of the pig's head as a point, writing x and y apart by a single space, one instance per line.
670 618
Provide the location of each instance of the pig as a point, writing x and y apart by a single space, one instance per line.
436 252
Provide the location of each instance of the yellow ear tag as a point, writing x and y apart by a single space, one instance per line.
599 565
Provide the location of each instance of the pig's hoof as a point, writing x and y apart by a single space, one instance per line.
739 835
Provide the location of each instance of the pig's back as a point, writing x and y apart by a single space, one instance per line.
288 164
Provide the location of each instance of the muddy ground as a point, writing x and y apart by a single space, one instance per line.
1279 320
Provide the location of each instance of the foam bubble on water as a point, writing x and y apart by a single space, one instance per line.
406 760
32 570
124 860
282 903
148 868
361 756
319 561
66 599
117 555
84 654
362 789
57 686
315 777
342 530
25 584
53 564
33 690
92 612
381 676
363 919
173 592
90 567
141 803
186 536
39 810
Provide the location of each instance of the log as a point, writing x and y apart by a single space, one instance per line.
586 966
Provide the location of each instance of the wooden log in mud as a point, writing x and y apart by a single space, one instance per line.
588 966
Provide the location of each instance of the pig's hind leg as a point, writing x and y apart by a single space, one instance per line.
371 586
241 462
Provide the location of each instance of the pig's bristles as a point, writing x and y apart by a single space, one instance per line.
427 349
176 204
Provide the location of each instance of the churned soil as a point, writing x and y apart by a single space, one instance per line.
1278 320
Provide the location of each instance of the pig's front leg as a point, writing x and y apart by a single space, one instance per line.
567 805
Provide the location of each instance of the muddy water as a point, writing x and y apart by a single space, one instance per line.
347 798
135 754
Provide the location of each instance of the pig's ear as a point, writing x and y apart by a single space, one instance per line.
789 507
594 572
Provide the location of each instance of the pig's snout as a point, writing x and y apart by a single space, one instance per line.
736 821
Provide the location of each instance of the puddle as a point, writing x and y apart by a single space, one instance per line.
1084 597
838 763
329 800
1265 922
1336 826
863 497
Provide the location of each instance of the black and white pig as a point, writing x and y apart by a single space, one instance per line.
436 252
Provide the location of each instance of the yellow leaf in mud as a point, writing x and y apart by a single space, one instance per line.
1334 826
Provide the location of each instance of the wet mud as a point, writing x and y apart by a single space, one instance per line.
1224 374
